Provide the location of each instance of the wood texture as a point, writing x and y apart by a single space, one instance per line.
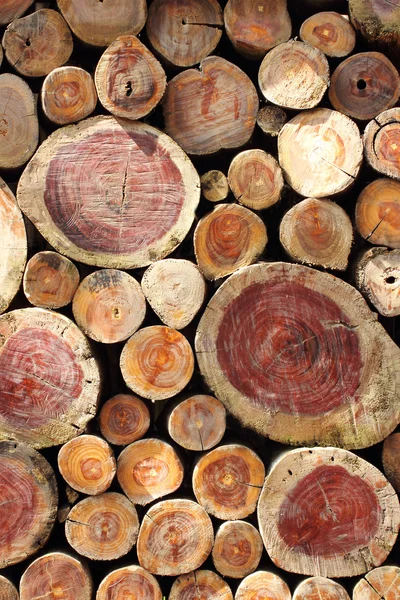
382 143
200 584
7 589
119 585
382 583
237 549
50 280
377 276
378 213
12 9
320 588
214 186
390 459
123 419
330 32
271 119
263 584
68 95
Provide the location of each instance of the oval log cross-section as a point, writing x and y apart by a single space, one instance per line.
50 280
119 585
382 143
320 588
197 423
377 276
7 589
68 95
110 193
390 459
176 537
271 119
263 584
237 549
227 481
378 212
49 380
268 346
382 583
214 186
330 32
200 584
327 512
123 419
28 502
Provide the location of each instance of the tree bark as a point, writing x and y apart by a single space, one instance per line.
237 549
326 512
200 584
50 280
68 95
330 32
382 583
390 460
119 585
382 143
378 213
228 238
263 583
271 119
135 209
214 186
377 276
7 590
320 588
123 419
12 9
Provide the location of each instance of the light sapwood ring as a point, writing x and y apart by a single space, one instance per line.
320 588
382 143
263 584
330 32
382 583
119 585
377 276
197 423
200 584
237 549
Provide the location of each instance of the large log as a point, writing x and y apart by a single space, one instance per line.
382 583
7 589
237 549
377 276
49 380
268 346
12 9
119 585
390 459
378 213
123 419
327 512
320 588
50 280
117 194
263 584
382 143
200 584
330 32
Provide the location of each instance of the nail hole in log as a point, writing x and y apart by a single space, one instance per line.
290 472
28 42
128 86
361 84
390 280
332 458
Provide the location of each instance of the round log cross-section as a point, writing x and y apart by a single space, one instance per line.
214 186
271 119
268 346
378 212
327 512
263 584
28 502
377 276
382 583
197 423
123 419
7 589
202 584
382 143
110 193
330 32
49 380
50 280
320 588
237 549
119 585
68 95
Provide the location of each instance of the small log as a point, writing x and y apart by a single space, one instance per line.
364 85
263 584
390 459
7 589
119 585
38 43
12 9
157 362
210 109
329 32
214 186
149 469
294 75
228 238
175 537
68 95
19 126
382 143
320 152
123 419
184 33
50 280
13 246
137 205
130 81
102 527
87 464
268 346
175 290
28 502
197 423
200 584
227 481
382 583
378 213
100 23
109 306
326 512
56 575
237 549
377 276
49 380
255 179
320 588
271 119
317 232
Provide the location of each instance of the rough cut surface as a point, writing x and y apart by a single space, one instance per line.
119 584
382 143
378 212
200 584
330 32
382 583
377 276
50 280
263 584
12 9
68 95
320 588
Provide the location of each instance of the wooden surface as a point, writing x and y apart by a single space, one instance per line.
119 584
320 588
263 584
378 212
50 280
123 419
330 32
237 549
382 143
201 583
7 590
68 95
377 276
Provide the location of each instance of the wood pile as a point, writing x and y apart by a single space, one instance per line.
199 292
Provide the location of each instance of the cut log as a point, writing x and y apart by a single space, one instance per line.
237 549
123 419
329 32
197 423
210 109
102 527
320 152
87 464
184 33
256 26
382 583
28 502
294 75
255 179
327 512
19 126
200 584
390 460
126 197
263 584
100 23
227 481
38 43
7 590
120 584
130 81
228 238
382 143
56 575
271 119
317 232
109 306
377 276
49 380
378 213
13 246
175 290
364 85
320 588
50 280
149 469
268 346
175 537
68 95
214 186
12 9
157 362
